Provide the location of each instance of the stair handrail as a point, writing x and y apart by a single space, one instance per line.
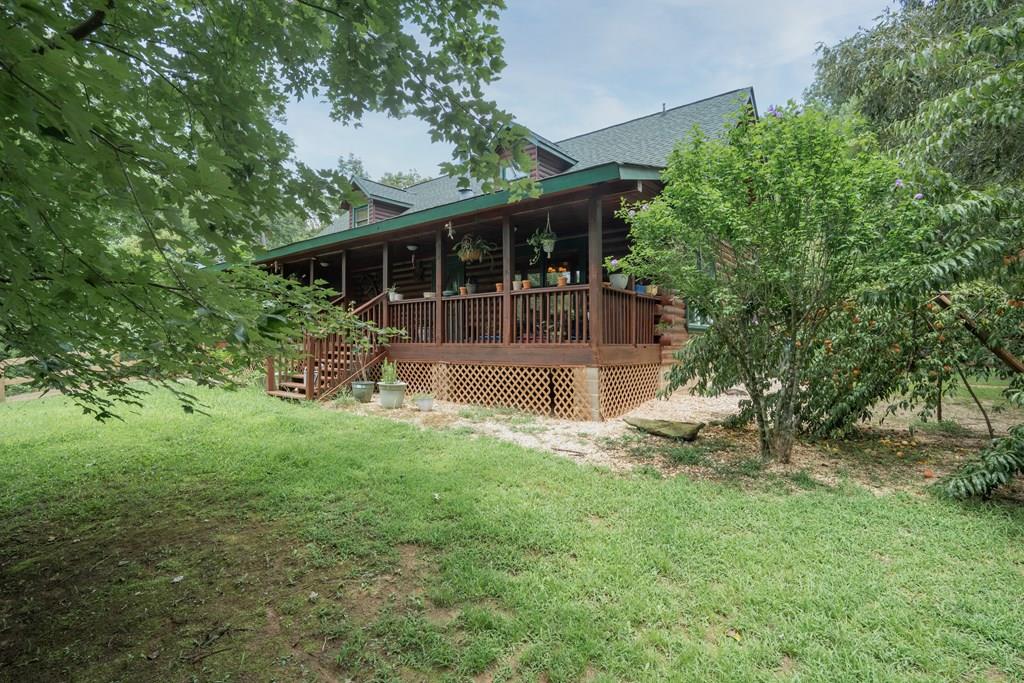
318 389
370 304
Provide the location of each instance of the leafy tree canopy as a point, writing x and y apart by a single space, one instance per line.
941 82
402 179
770 232
138 142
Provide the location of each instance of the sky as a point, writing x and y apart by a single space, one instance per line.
579 65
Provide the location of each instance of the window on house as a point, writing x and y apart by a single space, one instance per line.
361 215
695 320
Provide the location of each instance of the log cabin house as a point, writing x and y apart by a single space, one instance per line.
541 332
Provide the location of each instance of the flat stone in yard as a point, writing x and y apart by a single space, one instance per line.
687 431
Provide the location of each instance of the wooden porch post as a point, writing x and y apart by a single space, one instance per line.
507 247
595 248
384 282
344 274
438 287
312 270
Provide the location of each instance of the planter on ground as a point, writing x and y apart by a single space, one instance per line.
362 391
391 394
424 403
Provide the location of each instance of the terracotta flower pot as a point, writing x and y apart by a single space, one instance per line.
499 287
462 291
562 281
526 284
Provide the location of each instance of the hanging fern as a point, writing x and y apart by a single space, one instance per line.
995 466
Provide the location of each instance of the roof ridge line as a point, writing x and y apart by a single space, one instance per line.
748 88
377 182
428 180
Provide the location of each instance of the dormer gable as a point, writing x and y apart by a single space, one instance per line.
372 202
548 159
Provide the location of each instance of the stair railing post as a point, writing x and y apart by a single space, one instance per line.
271 377
308 351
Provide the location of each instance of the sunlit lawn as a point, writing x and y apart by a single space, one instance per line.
272 541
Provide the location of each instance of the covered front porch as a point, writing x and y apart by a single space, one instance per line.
507 313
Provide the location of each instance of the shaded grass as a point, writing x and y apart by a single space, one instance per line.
438 555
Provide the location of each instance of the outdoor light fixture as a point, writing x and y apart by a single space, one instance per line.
412 249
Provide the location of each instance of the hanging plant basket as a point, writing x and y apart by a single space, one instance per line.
543 240
471 248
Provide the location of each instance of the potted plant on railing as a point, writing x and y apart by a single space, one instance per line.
618 279
392 390
393 294
473 248
542 240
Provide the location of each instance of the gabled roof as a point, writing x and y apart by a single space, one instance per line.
386 193
649 139
646 141
543 143
642 142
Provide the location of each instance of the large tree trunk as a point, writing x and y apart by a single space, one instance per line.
761 420
784 429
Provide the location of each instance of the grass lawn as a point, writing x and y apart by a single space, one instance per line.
271 541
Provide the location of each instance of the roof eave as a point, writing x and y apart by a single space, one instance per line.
553 149
558 183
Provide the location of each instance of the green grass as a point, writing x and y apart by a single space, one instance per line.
317 544
988 390
944 427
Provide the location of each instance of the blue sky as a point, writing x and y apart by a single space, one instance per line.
578 65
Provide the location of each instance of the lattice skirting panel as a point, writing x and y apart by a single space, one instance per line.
624 387
560 391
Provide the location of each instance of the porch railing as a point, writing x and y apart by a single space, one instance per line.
559 315
416 317
629 318
473 319
549 315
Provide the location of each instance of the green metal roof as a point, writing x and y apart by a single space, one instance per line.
564 181
634 149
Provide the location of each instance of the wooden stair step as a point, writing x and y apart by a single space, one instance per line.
287 394
301 386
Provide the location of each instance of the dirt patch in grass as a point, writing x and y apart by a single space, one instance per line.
165 595
367 598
